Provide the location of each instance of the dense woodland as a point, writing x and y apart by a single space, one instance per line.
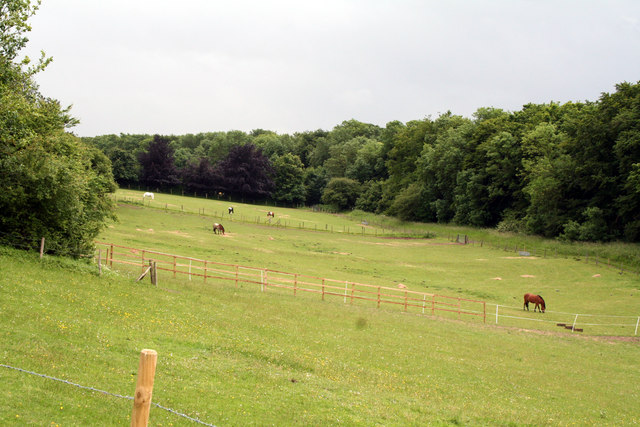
558 170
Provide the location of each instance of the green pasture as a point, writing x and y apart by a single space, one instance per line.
232 355
290 218
236 356
433 265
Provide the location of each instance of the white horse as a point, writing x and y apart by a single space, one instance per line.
147 194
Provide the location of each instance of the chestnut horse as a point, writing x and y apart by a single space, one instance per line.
218 228
271 214
536 299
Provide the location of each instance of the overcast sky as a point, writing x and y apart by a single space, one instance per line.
177 67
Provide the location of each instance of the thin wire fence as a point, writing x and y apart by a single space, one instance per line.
93 389
593 324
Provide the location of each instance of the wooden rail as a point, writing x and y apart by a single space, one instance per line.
415 301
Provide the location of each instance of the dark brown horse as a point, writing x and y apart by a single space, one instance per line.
218 228
536 299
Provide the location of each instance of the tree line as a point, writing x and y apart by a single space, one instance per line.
567 170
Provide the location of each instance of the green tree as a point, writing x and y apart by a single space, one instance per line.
368 164
289 179
547 190
440 162
341 193
53 185
126 167
369 199
315 181
412 204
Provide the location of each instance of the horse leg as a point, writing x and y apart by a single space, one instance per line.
526 305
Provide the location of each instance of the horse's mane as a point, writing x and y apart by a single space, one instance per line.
542 300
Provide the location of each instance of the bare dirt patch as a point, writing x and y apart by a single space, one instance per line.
180 233
263 250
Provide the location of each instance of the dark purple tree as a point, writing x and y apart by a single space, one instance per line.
157 167
245 172
199 176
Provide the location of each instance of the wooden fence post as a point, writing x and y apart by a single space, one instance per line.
144 388
484 312
154 272
174 266
41 247
295 284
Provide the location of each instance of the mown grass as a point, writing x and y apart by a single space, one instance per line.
238 356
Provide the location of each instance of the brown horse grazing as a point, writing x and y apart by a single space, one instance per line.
536 299
218 228
271 214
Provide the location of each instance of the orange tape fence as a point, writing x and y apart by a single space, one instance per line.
177 265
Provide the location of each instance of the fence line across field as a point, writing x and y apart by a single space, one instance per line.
572 318
296 282
347 291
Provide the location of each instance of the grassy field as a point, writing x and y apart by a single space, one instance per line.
430 265
238 356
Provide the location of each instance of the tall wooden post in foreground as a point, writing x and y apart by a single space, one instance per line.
144 388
